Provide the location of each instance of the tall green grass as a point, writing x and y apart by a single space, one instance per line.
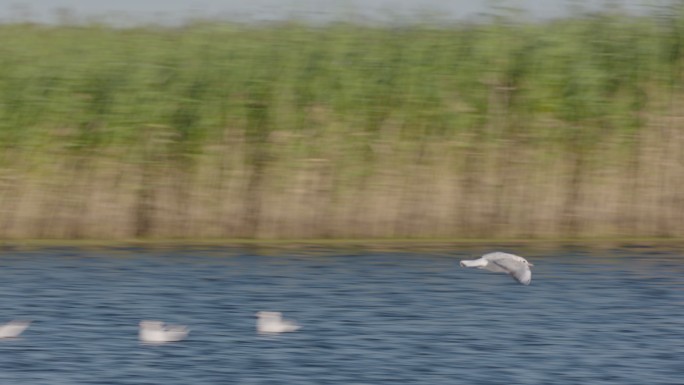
205 78
176 120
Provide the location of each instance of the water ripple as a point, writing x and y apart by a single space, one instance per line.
367 318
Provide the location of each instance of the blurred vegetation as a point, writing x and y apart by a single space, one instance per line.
218 121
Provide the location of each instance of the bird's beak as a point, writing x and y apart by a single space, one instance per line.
531 265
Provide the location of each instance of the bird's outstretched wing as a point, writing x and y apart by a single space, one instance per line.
513 265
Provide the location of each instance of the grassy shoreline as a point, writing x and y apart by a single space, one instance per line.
363 243
564 129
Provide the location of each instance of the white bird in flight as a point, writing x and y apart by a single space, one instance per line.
13 329
498 262
157 332
273 322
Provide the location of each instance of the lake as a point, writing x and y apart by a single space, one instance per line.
609 316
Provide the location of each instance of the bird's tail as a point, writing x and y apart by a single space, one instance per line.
473 263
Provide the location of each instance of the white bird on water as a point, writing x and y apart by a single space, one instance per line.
273 322
498 262
157 332
13 329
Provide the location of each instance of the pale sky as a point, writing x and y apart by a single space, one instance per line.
177 10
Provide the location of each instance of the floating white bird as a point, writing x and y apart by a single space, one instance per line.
13 329
157 332
499 262
273 322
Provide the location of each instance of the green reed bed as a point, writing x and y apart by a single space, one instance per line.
504 129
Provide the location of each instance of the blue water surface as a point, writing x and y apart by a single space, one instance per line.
589 317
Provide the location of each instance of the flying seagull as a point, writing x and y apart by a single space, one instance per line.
273 322
499 262
157 332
